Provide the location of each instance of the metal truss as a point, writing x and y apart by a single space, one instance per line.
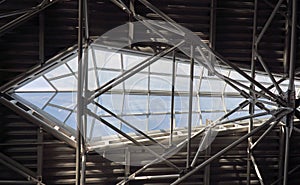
285 101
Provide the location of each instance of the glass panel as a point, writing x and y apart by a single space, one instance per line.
112 102
72 121
108 60
160 83
132 60
59 114
105 76
65 84
159 122
137 82
65 99
136 104
162 66
73 64
140 122
233 102
160 104
39 84
37 99
59 71
211 103
212 85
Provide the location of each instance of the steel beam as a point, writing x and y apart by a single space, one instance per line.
131 139
19 168
38 121
178 146
40 149
291 91
257 170
137 68
280 114
42 38
80 87
267 24
264 135
12 24
129 125
172 118
190 115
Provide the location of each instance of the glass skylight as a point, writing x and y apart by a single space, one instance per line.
143 100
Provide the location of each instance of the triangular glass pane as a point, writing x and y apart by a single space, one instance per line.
38 85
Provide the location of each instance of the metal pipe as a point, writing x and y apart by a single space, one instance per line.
128 124
257 170
246 117
42 38
242 73
162 15
267 24
291 91
190 115
286 156
173 99
39 122
264 65
14 13
264 135
12 24
16 182
279 115
132 139
156 177
252 87
80 101
137 68
40 149
177 147
20 169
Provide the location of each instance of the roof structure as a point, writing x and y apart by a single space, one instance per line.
142 103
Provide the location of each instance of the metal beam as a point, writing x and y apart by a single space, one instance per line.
137 68
178 146
291 91
128 124
23 18
19 168
131 139
267 24
172 118
280 114
190 115
40 149
80 87
39 122
42 38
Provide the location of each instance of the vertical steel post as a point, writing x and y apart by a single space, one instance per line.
252 86
40 154
281 153
287 38
190 116
172 121
42 38
79 91
291 91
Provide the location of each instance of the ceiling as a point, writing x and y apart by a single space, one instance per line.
228 27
